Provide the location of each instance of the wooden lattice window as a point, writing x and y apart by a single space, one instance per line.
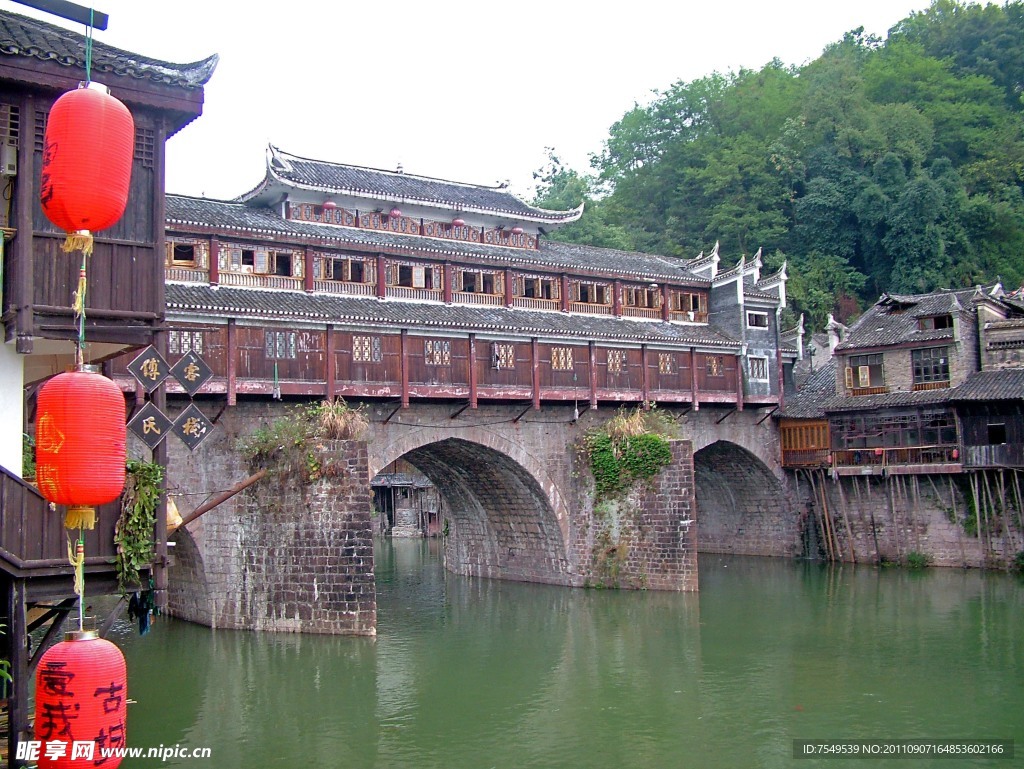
366 349
616 361
714 365
145 146
437 352
666 363
184 341
279 345
758 369
503 356
561 359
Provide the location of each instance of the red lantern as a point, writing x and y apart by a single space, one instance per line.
457 222
81 702
330 205
80 443
87 160
517 230
956 454
395 213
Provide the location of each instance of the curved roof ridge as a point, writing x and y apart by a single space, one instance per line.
296 172
25 36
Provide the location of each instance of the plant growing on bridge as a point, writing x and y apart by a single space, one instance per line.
630 447
134 531
289 443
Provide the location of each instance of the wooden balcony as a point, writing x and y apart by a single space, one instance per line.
919 386
343 287
898 461
994 456
857 391
35 542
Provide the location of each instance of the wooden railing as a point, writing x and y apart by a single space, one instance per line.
931 386
688 316
805 457
260 281
33 535
891 457
590 309
342 287
404 292
471 297
641 312
869 391
186 274
999 455
535 304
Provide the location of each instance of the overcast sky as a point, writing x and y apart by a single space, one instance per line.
469 91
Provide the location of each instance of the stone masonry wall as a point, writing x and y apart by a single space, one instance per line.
884 519
647 539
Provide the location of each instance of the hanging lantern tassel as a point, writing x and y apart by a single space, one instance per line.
80 517
76 557
79 304
80 240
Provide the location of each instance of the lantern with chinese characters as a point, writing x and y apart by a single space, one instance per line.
81 701
80 443
87 162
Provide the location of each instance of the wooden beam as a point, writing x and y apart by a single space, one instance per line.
593 372
331 373
645 375
214 269
472 372
535 363
694 394
71 11
17 701
220 498
459 410
405 368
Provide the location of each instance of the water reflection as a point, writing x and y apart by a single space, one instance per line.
474 673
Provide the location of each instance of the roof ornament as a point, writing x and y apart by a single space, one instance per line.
400 169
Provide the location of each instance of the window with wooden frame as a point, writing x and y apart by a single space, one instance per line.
646 298
181 254
864 371
666 363
933 322
279 345
536 287
437 352
714 365
280 263
503 355
931 364
342 268
616 361
590 293
561 359
480 282
689 301
757 319
758 366
181 341
367 349
410 275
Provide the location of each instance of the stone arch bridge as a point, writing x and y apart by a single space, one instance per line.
516 504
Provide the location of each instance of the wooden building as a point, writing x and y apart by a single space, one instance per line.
929 383
39 62
337 280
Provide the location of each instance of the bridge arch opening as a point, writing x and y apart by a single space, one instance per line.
496 519
740 504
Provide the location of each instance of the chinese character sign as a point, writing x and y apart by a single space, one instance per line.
81 699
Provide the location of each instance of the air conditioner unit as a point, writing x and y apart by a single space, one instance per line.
9 157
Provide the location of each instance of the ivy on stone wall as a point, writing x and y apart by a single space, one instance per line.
631 447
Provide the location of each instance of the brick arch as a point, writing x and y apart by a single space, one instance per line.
740 503
502 521
380 456
188 593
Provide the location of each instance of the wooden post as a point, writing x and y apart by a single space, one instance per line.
23 247
232 362
446 281
331 385
214 267
535 363
17 703
565 293
405 368
617 298
307 275
694 394
645 375
472 372
382 289
508 287
593 374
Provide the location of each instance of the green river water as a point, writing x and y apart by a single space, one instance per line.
474 674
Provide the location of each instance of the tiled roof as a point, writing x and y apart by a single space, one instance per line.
888 400
1005 384
30 38
280 305
809 402
400 187
894 319
227 216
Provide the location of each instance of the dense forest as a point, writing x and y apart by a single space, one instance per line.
893 165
